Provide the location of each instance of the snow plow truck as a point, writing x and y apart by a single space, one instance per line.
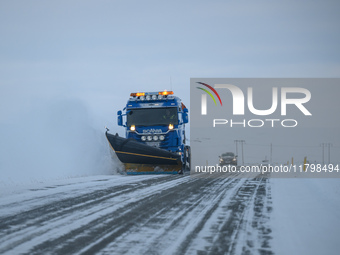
154 141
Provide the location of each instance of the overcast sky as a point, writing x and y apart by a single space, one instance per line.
100 51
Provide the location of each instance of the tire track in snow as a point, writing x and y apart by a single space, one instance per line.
165 215
22 228
180 223
239 225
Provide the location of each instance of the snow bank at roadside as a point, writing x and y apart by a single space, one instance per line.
306 218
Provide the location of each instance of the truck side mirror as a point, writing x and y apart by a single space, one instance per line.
120 118
185 115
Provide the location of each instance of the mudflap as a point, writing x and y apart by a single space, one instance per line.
187 158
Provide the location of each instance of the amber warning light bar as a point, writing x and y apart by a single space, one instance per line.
163 93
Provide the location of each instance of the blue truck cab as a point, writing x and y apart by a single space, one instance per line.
157 119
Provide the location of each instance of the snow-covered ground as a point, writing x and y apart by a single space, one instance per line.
116 214
135 215
305 217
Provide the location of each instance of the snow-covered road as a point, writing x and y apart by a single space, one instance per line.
138 215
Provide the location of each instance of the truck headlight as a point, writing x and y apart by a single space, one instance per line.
142 98
160 97
154 97
143 138
149 138
161 137
155 138
132 128
148 97
171 126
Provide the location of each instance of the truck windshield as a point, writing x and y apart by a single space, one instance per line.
152 116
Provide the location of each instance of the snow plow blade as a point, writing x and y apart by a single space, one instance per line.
139 158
